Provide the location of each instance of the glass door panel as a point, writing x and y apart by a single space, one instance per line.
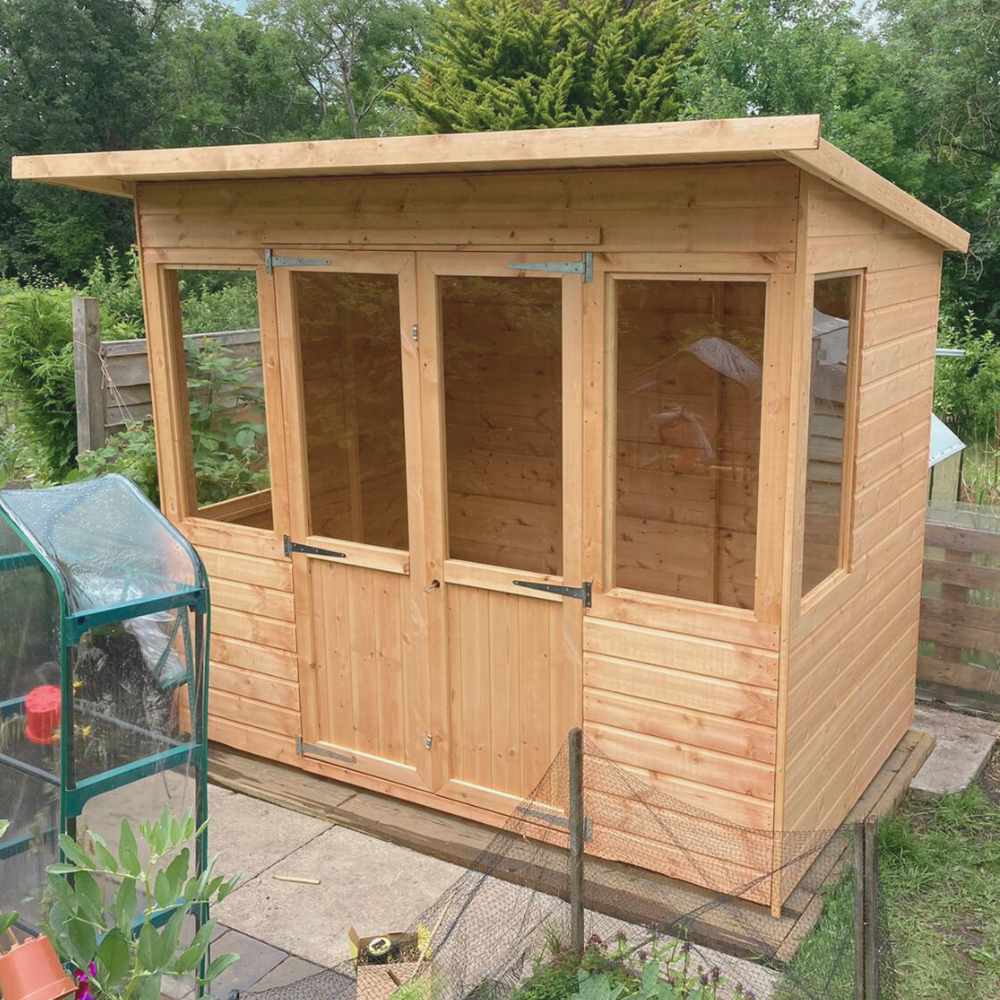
502 358
352 387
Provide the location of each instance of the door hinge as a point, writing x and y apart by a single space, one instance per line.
428 742
316 750
414 332
582 593
554 819
584 266
273 260
311 550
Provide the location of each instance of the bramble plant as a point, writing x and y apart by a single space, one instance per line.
113 945
228 436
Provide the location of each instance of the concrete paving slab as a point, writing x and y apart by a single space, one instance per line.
964 744
257 959
249 835
292 970
374 885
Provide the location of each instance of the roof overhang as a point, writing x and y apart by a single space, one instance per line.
794 138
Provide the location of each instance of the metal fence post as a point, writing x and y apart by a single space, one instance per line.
89 379
576 838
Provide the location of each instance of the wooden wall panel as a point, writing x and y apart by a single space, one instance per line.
742 208
853 653
253 677
696 716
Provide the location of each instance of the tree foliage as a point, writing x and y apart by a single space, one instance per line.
515 64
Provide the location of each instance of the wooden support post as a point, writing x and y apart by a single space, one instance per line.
89 377
871 910
576 838
859 911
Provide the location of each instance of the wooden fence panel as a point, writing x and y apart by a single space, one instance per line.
960 610
116 374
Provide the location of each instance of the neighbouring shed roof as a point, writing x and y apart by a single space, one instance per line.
793 138
944 442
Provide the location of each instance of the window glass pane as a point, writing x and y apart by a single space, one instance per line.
352 384
689 362
225 390
833 315
502 344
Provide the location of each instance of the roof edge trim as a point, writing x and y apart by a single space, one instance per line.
834 166
602 145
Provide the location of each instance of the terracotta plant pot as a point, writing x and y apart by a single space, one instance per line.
31 970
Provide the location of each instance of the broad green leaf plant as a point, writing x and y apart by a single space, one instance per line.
118 921
7 919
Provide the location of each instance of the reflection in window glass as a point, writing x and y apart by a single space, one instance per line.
225 390
832 333
352 387
690 356
502 345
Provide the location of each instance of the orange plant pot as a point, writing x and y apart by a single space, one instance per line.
31 970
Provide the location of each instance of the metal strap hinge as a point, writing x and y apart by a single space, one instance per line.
584 266
311 550
316 750
273 260
553 819
582 593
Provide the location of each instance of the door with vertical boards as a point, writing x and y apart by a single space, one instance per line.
501 368
350 371
434 411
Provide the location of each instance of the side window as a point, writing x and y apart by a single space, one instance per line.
832 409
688 389
224 389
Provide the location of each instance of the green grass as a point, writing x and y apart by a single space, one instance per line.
941 893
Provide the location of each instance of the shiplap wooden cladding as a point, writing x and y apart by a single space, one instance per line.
637 432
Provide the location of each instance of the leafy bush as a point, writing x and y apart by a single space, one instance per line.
220 300
967 389
114 281
36 372
96 936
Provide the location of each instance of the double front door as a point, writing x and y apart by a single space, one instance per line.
434 417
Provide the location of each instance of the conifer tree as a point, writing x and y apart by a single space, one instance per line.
517 64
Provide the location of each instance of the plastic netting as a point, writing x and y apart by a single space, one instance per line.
509 915
109 544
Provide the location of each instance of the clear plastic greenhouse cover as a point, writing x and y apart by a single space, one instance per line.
109 545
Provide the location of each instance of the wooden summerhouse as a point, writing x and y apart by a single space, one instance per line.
621 426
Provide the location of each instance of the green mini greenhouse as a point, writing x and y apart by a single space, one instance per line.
104 625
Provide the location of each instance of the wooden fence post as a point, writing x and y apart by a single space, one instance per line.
872 985
89 377
859 911
866 917
577 834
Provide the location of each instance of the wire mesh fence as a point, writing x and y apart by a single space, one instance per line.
509 927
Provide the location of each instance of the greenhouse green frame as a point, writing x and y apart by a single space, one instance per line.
74 793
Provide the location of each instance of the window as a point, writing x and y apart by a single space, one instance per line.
225 395
831 417
688 411
352 389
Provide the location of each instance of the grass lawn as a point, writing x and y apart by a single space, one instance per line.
941 884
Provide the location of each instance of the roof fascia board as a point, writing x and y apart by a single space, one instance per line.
834 166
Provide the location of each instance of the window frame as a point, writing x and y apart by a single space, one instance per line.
809 600
756 625
178 484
